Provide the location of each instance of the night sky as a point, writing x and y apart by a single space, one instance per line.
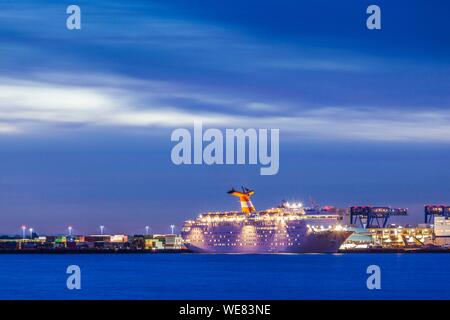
86 115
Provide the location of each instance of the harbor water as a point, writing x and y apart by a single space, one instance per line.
232 276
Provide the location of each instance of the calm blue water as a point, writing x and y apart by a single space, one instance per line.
197 276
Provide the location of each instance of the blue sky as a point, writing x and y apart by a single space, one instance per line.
86 115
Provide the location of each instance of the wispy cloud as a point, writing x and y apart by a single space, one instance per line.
160 58
25 104
371 124
116 102
8 129
152 31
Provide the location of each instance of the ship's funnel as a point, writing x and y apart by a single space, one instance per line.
244 197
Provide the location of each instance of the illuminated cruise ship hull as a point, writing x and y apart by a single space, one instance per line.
318 234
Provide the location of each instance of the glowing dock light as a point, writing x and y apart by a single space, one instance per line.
24 230
31 233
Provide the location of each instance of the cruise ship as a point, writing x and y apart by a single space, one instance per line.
288 228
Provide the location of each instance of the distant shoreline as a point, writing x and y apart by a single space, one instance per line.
184 251
87 251
400 250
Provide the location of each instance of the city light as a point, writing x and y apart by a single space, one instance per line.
293 205
101 229
70 230
172 227
24 228
147 228
31 233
